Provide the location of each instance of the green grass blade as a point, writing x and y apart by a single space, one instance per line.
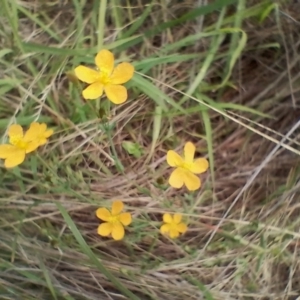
139 22
209 141
200 11
48 279
157 123
155 93
208 61
30 47
206 293
101 24
37 21
237 50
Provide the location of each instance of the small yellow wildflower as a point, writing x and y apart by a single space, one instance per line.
173 225
19 144
186 168
114 221
107 78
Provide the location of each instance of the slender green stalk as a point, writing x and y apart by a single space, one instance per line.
209 59
101 23
236 35
100 33
116 13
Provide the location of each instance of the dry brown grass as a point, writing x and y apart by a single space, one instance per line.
248 250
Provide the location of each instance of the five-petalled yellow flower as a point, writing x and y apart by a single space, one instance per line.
114 221
186 168
107 78
21 144
173 226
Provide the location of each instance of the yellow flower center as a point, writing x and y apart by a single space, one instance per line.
104 77
186 166
173 226
113 219
18 142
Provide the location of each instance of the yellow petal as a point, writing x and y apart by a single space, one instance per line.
105 229
43 127
176 178
117 207
199 166
34 131
37 127
104 60
118 232
15 133
42 141
177 218
122 73
174 159
117 94
48 133
93 91
86 74
125 218
164 229
191 181
6 150
16 158
15 129
181 227
31 146
173 233
167 218
189 152
36 136
103 214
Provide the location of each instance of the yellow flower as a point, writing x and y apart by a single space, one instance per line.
173 225
19 144
107 78
186 168
114 221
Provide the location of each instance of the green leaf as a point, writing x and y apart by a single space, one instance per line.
4 51
132 148
266 12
